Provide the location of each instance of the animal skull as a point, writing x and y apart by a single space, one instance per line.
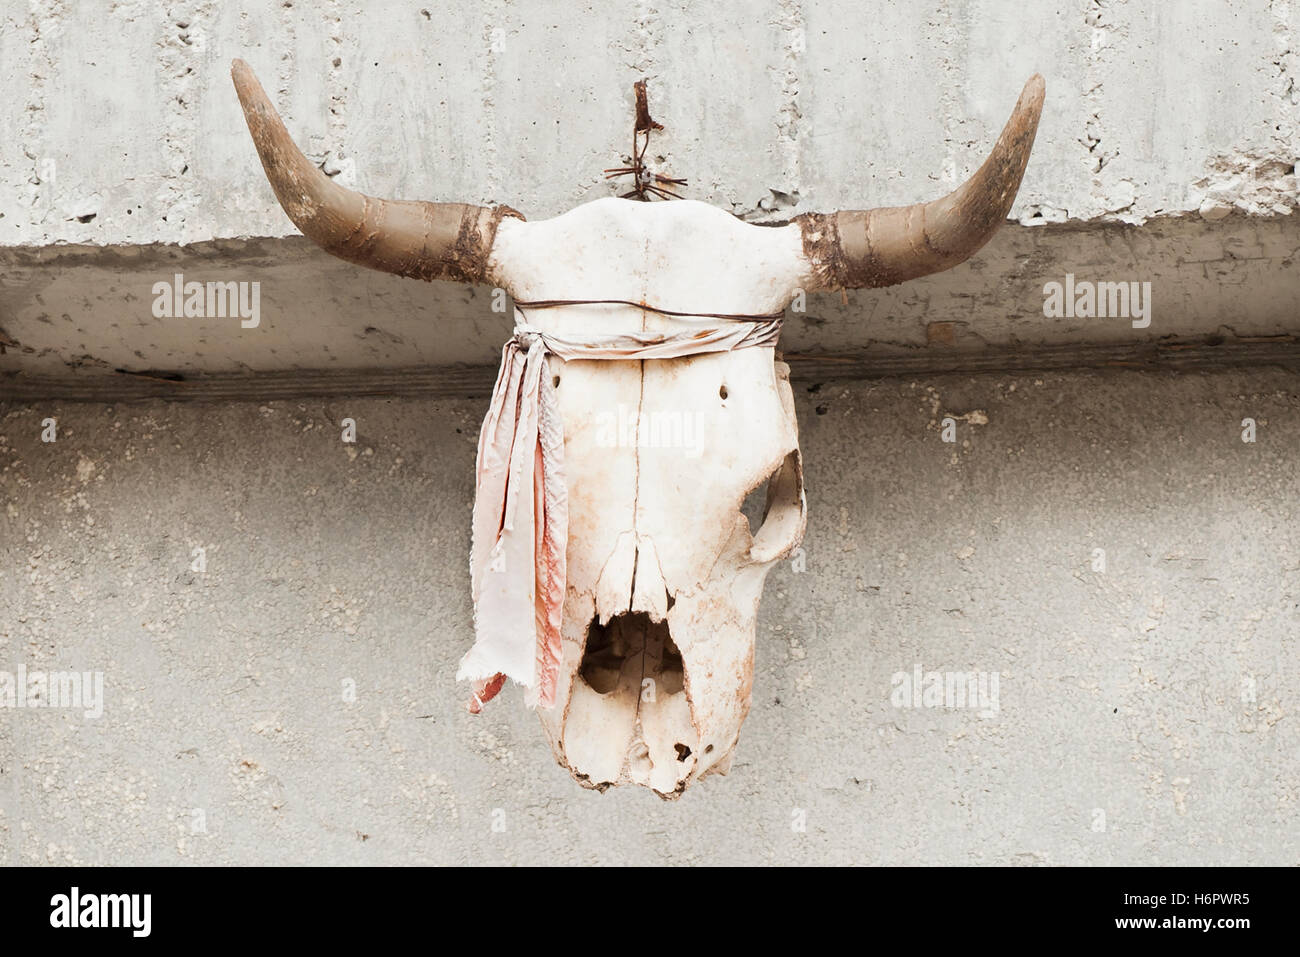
663 574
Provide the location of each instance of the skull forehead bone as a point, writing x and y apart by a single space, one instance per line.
656 633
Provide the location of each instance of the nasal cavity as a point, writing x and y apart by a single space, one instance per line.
630 648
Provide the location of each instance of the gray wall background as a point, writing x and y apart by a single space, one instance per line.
1154 108
1166 153
1160 693
1146 712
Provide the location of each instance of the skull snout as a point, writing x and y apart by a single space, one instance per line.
629 718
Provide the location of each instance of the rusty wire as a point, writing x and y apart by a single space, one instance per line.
644 180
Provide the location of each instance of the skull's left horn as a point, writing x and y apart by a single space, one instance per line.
416 239
856 249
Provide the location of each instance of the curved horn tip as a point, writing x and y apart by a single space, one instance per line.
246 83
1033 93
855 249
422 240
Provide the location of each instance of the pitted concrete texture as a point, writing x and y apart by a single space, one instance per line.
123 128
1166 154
1145 700
86 312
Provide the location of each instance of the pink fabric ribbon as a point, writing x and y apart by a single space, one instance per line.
521 515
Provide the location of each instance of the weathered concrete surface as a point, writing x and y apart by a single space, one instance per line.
126 159
1143 709
87 311
1160 693
122 126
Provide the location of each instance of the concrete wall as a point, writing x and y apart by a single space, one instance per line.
85 312
1158 693
1142 712
129 152
124 111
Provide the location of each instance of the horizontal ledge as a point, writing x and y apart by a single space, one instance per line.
458 382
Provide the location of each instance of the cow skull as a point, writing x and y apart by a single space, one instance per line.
663 574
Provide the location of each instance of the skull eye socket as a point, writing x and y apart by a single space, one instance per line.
779 501
722 392
754 507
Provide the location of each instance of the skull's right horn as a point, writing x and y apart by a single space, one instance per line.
416 239
860 248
